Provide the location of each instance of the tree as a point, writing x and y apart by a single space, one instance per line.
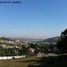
23 50
62 43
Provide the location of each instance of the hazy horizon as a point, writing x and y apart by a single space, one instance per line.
33 18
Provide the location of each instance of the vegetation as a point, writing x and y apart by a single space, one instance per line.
7 52
62 43
59 61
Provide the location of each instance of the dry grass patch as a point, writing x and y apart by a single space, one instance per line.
18 62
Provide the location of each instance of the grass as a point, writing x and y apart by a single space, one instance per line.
60 61
18 62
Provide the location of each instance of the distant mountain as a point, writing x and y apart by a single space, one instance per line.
54 39
20 38
49 40
25 39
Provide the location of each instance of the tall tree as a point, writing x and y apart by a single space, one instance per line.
62 43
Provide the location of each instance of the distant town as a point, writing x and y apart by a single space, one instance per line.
18 47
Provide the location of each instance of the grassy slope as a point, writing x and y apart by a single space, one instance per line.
18 62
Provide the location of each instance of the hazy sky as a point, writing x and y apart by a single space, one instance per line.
33 18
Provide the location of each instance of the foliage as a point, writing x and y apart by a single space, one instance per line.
62 43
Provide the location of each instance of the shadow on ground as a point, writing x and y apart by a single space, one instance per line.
29 61
60 61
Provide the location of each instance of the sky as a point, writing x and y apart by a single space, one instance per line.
33 18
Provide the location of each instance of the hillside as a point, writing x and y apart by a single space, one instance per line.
4 38
49 40
54 39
